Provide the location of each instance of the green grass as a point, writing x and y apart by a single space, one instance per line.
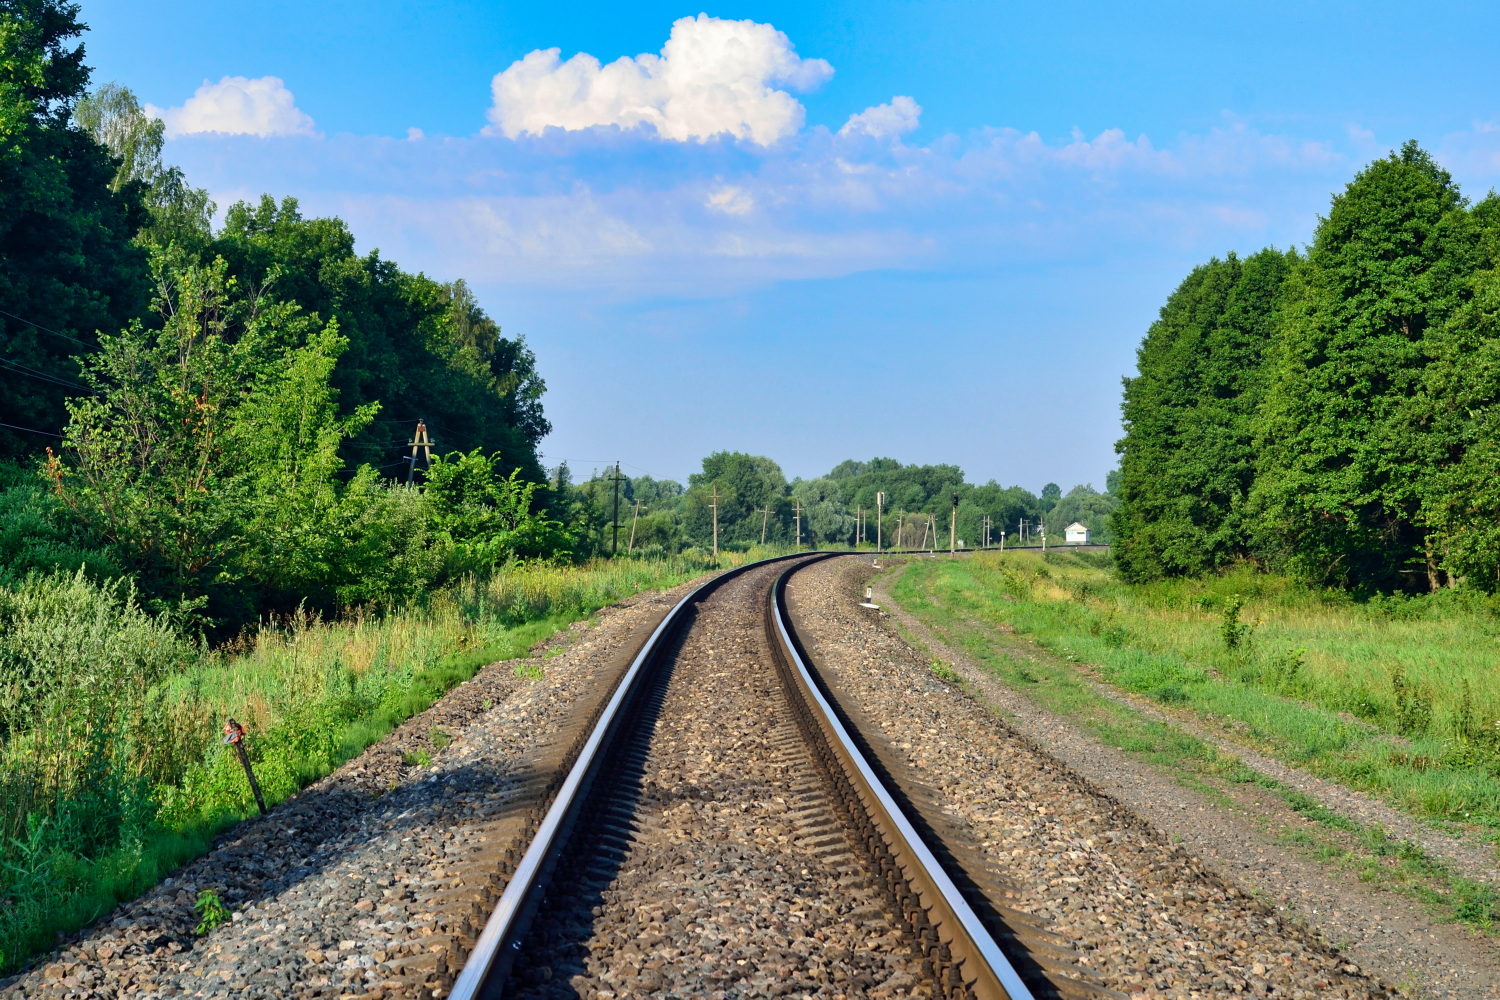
1399 703
1071 608
111 769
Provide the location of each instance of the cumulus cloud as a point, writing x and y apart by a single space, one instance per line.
237 105
713 77
884 121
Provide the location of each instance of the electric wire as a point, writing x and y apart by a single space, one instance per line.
32 430
22 319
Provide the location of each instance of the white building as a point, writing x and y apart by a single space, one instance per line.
1076 533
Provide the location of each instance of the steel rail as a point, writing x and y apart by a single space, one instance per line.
494 951
968 947
985 969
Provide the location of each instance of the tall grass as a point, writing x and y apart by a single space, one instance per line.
111 769
1395 696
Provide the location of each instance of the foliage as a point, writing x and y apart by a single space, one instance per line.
67 264
111 770
488 517
1188 454
423 349
1331 414
180 213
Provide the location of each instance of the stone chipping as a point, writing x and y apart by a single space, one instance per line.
365 883
1144 916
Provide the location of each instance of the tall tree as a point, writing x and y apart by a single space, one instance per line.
1338 491
68 267
180 213
1187 457
743 484
423 349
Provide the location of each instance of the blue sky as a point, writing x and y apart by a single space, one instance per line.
934 231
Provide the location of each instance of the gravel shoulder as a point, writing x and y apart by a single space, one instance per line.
365 883
1235 835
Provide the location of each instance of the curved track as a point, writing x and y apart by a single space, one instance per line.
721 828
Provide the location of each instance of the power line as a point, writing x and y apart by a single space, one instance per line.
32 430
40 375
64 336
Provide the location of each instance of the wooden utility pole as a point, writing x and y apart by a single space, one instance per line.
765 517
422 441
932 523
631 548
797 511
879 506
614 545
715 506
900 527
953 527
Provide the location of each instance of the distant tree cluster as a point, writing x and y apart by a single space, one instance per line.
1332 413
757 503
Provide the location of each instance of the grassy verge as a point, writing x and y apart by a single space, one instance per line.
111 770
962 602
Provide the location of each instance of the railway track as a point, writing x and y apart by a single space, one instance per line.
722 827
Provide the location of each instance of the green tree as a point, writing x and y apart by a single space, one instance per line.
206 453
180 213
1188 454
423 349
744 484
68 267
488 516
1338 489
825 517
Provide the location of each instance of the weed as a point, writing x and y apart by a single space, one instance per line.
944 671
210 910
416 758
439 738
529 671
1413 707
1231 629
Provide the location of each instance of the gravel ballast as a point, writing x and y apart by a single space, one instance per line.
365 883
1146 917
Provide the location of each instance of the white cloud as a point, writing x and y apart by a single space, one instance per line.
731 200
713 77
237 105
882 121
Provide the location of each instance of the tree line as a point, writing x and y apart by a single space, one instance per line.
220 413
756 502
1333 412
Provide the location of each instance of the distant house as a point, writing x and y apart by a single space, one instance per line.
1076 533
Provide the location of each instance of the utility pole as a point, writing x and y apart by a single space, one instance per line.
634 519
859 526
715 506
797 510
953 527
422 441
765 516
614 545
879 506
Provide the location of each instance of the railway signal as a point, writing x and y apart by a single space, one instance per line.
953 527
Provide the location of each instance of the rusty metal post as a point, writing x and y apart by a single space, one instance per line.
234 735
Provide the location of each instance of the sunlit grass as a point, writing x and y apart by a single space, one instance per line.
1090 625
111 768
1394 697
